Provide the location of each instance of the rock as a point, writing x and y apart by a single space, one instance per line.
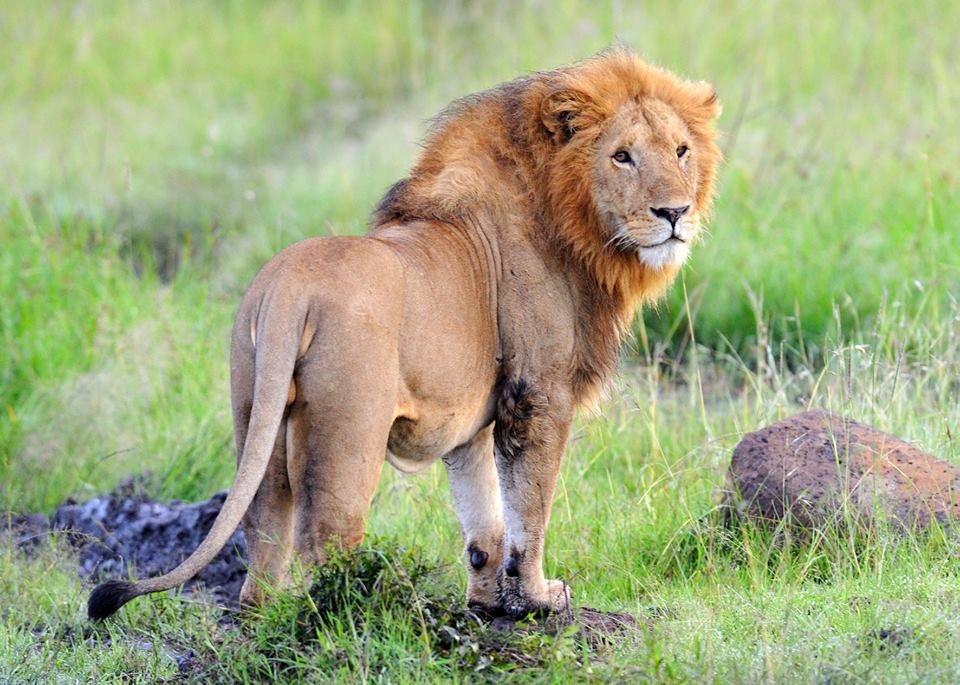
819 466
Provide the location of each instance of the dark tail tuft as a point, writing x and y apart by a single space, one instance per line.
107 597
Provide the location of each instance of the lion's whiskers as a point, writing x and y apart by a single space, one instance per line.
621 241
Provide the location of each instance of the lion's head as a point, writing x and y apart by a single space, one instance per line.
618 157
630 160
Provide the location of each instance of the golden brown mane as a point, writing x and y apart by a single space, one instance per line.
521 153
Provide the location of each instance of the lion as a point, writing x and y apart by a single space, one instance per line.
485 305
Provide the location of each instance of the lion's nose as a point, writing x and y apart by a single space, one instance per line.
671 214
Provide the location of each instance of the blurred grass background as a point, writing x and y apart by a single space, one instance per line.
154 154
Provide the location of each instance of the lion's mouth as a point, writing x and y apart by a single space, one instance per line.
672 238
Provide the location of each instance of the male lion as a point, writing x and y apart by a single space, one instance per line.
487 303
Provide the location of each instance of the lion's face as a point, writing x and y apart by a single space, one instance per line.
645 183
635 147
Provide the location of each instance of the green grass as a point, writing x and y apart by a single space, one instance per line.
635 528
153 156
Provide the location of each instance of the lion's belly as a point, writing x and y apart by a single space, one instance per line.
415 444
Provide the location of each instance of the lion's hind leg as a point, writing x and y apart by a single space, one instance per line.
268 529
337 434
268 522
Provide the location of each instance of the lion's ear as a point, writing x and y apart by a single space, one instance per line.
706 101
564 112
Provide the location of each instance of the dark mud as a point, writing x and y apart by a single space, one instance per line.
597 627
124 533
372 588
25 530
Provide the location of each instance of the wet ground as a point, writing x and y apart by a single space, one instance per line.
598 627
125 531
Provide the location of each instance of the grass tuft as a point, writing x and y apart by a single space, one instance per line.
369 597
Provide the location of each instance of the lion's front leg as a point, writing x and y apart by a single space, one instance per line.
476 493
531 429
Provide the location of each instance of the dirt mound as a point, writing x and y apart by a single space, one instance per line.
818 465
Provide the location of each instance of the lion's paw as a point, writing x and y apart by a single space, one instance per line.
518 601
559 595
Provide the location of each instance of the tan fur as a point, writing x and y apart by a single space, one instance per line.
486 304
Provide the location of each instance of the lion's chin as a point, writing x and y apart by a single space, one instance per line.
669 253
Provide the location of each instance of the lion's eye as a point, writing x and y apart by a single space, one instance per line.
622 157
681 151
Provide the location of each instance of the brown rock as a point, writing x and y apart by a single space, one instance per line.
821 466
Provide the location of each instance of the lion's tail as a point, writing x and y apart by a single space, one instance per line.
276 354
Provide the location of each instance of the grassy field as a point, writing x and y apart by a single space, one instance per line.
154 155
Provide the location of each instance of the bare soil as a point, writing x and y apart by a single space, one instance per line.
125 532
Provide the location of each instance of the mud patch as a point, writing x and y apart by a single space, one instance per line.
598 628
24 530
891 638
124 532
